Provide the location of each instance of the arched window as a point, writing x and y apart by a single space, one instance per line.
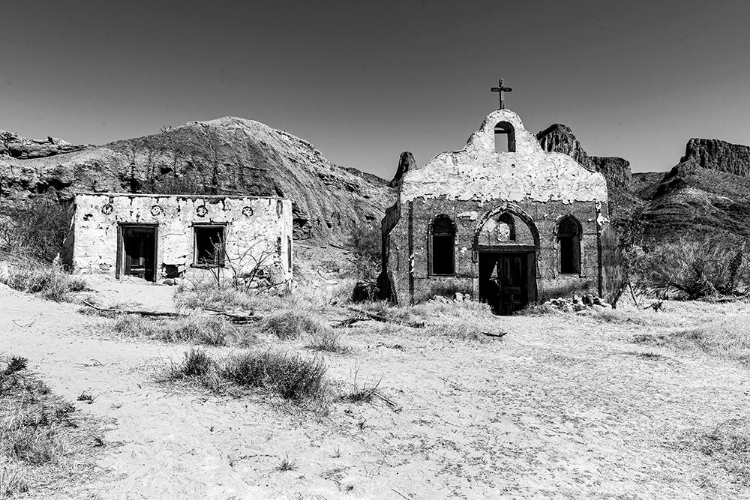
569 239
443 243
505 138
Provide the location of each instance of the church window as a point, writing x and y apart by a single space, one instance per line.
443 244
505 138
569 239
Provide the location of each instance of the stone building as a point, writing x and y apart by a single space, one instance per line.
158 236
502 220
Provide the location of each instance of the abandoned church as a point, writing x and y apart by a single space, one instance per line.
161 236
501 220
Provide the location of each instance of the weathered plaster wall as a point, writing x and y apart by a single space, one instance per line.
477 172
253 226
469 184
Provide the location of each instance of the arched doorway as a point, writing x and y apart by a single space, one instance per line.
506 243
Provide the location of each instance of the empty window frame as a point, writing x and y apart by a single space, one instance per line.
208 245
443 233
569 240
505 138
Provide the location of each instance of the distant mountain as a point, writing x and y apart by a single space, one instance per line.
224 156
708 190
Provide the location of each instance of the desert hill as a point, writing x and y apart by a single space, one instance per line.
224 156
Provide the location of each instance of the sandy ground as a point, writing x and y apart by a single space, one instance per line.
562 407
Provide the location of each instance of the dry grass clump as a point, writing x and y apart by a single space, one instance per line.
327 340
293 377
36 429
49 281
463 320
197 328
206 294
727 338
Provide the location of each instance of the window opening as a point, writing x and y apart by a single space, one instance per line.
209 245
443 243
568 235
505 138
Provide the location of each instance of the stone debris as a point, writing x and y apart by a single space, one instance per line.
578 303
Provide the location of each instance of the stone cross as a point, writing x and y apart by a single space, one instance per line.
500 89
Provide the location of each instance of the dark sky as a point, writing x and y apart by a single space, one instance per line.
364 81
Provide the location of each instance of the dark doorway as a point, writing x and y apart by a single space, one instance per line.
137 252
505 280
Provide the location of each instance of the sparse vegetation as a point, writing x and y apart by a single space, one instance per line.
726 338
364 393
727 444
37 429
197 328
286 465
293 377
327 340
49 281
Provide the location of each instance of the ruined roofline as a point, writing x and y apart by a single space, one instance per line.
192 196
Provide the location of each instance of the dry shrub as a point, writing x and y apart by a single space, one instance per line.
366 242
463 320
36 230
206 294
197 328
293 377
12 480
49 281
695 268
290 325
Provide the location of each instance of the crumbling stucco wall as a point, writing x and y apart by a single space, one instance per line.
537 188
254 228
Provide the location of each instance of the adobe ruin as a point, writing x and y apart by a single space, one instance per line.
161 236
502 220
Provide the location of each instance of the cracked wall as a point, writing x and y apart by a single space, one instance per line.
254 227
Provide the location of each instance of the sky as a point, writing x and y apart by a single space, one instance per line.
364 81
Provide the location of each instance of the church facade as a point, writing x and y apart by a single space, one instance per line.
502 220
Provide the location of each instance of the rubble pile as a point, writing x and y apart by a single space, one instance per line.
578 303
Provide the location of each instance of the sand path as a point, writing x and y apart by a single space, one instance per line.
564 407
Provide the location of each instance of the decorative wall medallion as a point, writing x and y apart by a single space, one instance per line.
156 210
247 211
107 209
201 211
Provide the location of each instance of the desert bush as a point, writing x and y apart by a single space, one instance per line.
49 281
293 377
289 325
695 268
364 393
201 329
366 242
37 229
